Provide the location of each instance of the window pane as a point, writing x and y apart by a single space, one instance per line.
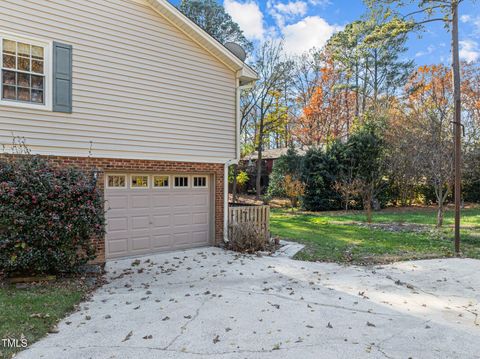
116 181
9 47
181 181
160 181
23 94
199 181
23 80
37 82
37 52
19 84
37 96
23 49
8 77
37 66
140 181
8 93
24 63
9 61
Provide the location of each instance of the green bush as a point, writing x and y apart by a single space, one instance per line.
321 170
48 216
289 164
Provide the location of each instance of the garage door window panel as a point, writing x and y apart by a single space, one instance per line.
161 181
200 182
116 181
139 181
181 182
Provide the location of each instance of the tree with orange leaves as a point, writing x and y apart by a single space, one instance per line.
329 109
430 110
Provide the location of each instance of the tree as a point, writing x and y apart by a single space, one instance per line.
445 11
327 113
264 113
294 189
403 159
213 18
366 156
289 164
430 107
321 170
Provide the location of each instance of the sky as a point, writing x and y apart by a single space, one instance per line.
307 23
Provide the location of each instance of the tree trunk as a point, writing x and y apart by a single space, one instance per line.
440 212
440 196
368 206
357 100
234 185
259 160
375 79
364 98
457 121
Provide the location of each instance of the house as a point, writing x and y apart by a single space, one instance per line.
136 91
269 156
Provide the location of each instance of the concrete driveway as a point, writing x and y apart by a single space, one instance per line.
209 303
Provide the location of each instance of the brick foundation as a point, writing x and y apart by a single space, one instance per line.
103 165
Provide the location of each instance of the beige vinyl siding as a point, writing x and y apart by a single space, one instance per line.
141 88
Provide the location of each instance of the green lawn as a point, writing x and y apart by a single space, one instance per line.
35 310
395 235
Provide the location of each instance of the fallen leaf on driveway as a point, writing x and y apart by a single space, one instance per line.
216 339
166 318
128 336
329 325
371 324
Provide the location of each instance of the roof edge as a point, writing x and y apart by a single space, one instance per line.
202 38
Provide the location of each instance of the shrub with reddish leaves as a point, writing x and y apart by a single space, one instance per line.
48 216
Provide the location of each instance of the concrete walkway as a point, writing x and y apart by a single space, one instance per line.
208 303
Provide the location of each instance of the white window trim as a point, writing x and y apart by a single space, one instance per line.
182 187
164 187
200 176
116 174
141 175
48 71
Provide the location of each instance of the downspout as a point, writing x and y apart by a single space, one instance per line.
234 161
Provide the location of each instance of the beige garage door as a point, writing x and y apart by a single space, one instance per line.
154 213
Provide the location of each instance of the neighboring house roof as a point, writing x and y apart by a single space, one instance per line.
275 153
201 37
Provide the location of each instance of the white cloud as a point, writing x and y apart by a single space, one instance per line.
292 8
320 2
472 20
286 12
469 50
428 51
248 16
311 31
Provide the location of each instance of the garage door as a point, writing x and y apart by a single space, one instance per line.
156 212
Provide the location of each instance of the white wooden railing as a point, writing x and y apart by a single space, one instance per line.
258 215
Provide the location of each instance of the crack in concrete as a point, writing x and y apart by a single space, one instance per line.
475 314
316 303
184 351
378 345
183 328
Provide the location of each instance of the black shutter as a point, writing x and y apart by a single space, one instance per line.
62 78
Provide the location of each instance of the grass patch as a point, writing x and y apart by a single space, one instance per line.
33 311
345 238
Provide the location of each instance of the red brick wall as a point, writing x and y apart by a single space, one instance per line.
124 165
